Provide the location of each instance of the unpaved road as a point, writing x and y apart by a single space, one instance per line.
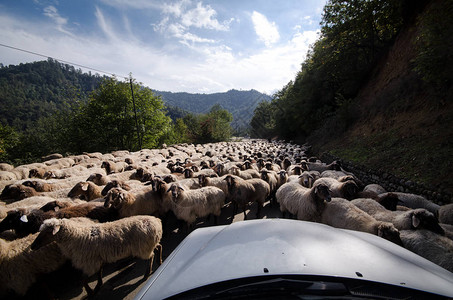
123 280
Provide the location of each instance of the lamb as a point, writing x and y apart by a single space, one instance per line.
20 267
148 202
341 213
415 201
434 247
87 189
243 192
91 245
306 204
188 205
419 218
347 190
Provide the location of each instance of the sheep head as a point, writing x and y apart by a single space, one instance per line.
176 191
115 197
47 235
350 189
423 219
202 181
389 232
306 179
188 173
79 189
14 219
322 193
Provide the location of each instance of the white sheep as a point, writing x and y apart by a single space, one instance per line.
90 245
432 246
245 174
412 219
20 267
188 205
306 204
113 167
341 213
147 202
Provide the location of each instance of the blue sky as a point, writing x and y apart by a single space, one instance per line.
178 45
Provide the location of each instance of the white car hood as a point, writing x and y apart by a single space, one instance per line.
290 247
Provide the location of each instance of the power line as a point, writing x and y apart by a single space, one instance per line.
60 60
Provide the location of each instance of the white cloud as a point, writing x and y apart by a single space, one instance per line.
266 31
202 17
52 12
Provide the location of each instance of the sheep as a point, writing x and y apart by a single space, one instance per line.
347 190
415 201
445 214
15 192
375 188
112 167
20 267
434 247
6 167
243 192
218 182
7 176
418 218
341 213
99 179
282 178
87 189
320 167
38 173
305 179
246 174
271 178
148 202
25 221
304 203
188 205
91 245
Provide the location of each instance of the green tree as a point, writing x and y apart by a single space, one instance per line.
9 139
107 122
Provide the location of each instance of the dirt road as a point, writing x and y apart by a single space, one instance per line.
123 280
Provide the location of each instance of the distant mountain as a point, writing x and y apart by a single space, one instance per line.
240 104
32 90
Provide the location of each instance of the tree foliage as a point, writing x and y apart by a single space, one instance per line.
354 34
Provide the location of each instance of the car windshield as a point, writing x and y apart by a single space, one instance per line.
302 287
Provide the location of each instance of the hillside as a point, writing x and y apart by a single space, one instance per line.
240 104
401 124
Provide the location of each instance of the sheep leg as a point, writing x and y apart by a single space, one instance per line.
99 283
258 211
149 266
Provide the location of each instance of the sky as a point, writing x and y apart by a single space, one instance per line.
189 46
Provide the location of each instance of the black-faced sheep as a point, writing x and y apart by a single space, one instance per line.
412 219
91 245
415 201
243 192
341 213
347 190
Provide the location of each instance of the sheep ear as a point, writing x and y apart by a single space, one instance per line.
168 189
57 208
24 219
84 187
415 221
181 188
56 228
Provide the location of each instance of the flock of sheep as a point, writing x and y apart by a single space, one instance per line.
96 208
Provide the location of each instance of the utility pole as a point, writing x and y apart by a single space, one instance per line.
135 113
